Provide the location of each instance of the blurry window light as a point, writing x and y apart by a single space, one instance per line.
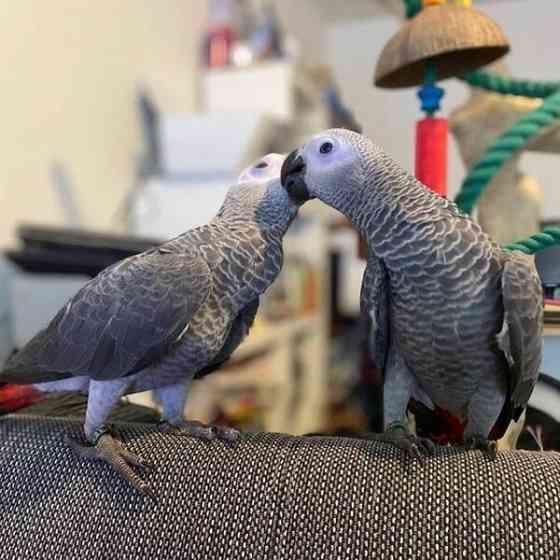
241 54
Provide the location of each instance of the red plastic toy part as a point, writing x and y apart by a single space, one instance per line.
431 154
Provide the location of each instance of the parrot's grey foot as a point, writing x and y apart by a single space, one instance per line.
109 449
200 430
485 445
397 434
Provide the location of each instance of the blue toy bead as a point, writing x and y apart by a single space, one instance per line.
430 95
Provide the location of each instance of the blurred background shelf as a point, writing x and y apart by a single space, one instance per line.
266 87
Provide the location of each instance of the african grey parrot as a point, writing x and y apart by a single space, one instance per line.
157 320
455 321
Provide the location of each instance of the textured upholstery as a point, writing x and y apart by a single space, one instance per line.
271 496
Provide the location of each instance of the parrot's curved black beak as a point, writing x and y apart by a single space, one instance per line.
292 177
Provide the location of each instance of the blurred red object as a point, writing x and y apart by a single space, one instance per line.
219 42
431 154
14 397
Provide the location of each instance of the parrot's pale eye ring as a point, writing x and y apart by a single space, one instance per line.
326 148
261 165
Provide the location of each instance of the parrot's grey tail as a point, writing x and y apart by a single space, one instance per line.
22 367
30 377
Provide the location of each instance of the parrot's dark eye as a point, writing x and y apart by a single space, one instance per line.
326 147
262 165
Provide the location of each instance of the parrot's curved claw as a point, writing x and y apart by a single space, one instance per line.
200 430
485 445
415 447
109 449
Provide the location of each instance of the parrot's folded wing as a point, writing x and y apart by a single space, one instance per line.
239 330
119 322
521 336
374 303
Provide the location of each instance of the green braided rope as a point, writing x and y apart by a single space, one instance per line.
509 142
510 86
503 148
546 238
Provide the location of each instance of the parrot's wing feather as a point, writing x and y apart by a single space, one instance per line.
120 321
521 335
239 330
374 303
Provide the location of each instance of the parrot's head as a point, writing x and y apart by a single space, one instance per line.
330 167
266 167
259 196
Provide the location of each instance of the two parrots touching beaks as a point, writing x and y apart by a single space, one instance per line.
453 320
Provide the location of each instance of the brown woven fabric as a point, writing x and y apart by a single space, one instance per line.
271 496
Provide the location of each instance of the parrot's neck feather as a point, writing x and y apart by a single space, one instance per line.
394 212
270 233
390 198
256 252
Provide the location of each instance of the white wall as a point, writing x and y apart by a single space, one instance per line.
70 69
389 116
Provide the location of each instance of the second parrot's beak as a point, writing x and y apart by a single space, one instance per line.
292 177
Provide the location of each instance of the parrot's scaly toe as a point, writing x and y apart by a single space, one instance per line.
485 445
109 449
200 430
227 434
415 447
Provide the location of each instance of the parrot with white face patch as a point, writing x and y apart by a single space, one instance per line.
267 167
455 321
158 320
